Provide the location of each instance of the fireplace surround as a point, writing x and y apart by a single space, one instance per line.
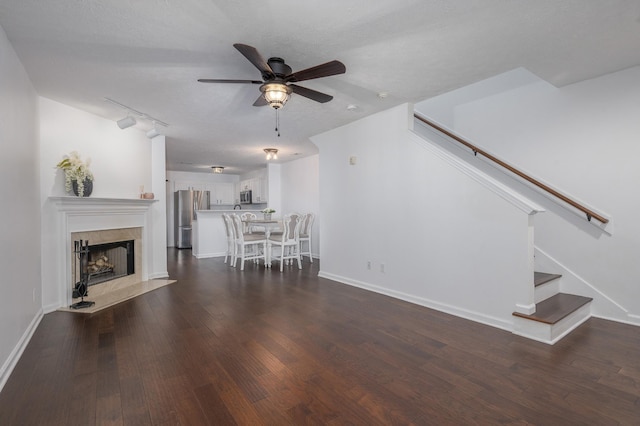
100 220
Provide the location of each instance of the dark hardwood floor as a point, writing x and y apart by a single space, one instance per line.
225 347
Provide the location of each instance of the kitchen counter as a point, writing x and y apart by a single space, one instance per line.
206 212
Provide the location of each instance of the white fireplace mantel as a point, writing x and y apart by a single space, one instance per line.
83 203
78 214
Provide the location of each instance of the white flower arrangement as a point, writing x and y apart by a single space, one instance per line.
75 170
268 211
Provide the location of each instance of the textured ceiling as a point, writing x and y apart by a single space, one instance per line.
148 54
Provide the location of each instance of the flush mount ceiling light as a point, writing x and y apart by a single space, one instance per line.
276 94
126 122
217 169
272 153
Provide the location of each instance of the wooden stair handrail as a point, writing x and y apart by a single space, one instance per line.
590 213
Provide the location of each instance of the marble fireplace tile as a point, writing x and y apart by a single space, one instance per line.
114 297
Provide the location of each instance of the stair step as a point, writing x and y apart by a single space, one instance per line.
555 308
540 278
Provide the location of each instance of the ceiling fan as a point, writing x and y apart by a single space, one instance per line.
278 81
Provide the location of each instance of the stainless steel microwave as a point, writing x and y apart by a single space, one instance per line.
245 197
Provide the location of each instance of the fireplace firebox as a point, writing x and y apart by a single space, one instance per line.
105 262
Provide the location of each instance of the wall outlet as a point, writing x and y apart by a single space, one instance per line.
382 267
368 264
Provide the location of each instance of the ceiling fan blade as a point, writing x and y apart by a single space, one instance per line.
256 59
215 80
323 70
261 101
311 94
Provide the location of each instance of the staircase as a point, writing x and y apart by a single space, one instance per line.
556 313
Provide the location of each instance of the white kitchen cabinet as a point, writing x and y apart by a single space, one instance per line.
236 192
186 185
223 193
220 193
259 188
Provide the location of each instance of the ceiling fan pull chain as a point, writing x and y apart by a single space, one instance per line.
277 122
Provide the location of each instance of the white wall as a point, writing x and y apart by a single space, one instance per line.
158 268
20 288
582 139
274 181
120 159
300 189
173 177
443 239
121 162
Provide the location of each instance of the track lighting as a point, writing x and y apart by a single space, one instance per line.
126 122
272 153
129 121
153 133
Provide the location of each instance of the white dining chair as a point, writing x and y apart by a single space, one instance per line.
248 246
247 227
231 240
278 232
305 235
287 241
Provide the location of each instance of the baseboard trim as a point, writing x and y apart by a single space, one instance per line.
17 351
157 275
632 319
427 303
208 255
51 308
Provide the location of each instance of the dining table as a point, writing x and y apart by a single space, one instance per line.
268 225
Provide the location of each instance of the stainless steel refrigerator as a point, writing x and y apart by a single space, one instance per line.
185 205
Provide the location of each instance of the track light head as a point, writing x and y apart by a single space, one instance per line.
126 122
153 133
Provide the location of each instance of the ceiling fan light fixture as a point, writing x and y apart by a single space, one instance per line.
276 94
217 169
272 153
